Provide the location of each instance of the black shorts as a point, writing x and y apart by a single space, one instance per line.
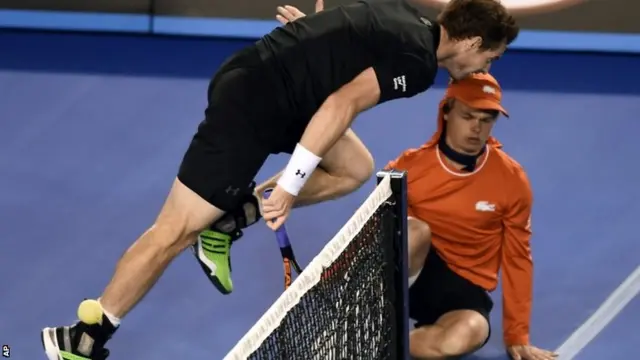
438 290
227 152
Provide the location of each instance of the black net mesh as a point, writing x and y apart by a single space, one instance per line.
350 313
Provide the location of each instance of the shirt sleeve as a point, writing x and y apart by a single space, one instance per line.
403 76
517 265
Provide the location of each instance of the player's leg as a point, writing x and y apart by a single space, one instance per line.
214 176
452 313
182 217
184 214
212 245
455 334
452 334
344 168
212 248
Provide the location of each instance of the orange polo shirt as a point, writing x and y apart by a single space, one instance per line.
480 223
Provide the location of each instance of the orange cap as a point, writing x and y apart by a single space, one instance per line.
480 91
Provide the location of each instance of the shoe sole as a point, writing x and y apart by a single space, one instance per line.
217 284
50 344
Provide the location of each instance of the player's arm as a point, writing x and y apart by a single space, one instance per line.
404 76
337 112
327 125
517 264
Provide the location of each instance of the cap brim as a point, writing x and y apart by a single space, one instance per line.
486 104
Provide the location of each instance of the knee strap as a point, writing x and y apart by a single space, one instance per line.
243 216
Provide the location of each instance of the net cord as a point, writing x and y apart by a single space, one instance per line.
311 275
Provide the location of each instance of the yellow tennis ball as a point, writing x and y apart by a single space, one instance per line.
90 312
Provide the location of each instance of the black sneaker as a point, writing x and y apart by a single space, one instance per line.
77 342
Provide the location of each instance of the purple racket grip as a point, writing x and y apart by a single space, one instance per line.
281 233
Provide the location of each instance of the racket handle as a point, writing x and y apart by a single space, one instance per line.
281 233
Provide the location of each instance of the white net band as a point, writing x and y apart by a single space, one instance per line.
273 317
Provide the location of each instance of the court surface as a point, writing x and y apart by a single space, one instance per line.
92 129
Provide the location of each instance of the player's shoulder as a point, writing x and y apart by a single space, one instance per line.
400 17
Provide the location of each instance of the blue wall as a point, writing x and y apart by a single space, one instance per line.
239 28
199 57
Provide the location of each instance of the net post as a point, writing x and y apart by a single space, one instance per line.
398 181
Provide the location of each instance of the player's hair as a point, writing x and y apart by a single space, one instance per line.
489 19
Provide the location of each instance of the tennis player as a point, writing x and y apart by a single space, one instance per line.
296 90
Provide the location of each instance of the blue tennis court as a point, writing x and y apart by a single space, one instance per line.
92 129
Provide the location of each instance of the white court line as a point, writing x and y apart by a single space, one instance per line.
602 317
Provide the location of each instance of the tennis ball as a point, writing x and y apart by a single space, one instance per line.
90 312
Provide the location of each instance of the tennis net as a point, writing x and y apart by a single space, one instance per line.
351 300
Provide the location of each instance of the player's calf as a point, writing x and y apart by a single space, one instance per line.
455 334
183 215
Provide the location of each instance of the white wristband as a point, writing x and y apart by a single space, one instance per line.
299 169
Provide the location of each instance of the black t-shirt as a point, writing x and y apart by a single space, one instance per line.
314 56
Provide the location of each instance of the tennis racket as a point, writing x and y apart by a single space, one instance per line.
289 262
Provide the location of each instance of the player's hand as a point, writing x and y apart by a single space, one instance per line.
277 207
289 13
529 352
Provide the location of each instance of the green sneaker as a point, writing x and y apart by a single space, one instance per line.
213 251
213 247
